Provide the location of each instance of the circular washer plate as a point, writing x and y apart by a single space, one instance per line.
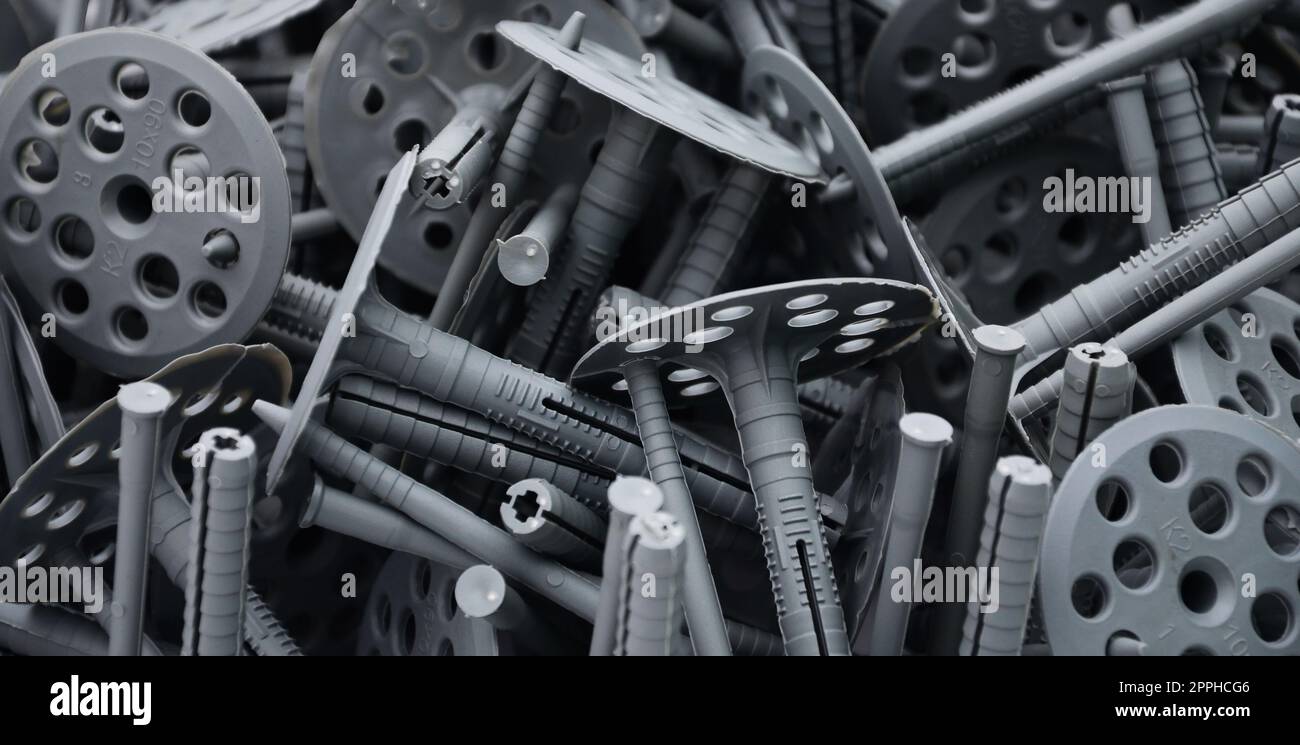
995 44
1008 255
128 284
1158 544
412 612
667 101
825 325
1246 359
412 71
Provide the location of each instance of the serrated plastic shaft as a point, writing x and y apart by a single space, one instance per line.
714 246
1020 491
1098 392
649 609
1190 173
220 517
552 523
1237 228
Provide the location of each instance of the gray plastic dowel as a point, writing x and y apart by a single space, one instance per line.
649 606
400 418
1238 227
1020 491
220 514
1240 129
37 630
341 512
524 258
262 630
615 195
14 444
992 377
511 171
454 371
1098 392
915 160
1215 70
719 237
703 612
1281 141
1168 322
143 405
924 438
1137 146
481 592
453 164
1191 177
567 588
629 498
553 523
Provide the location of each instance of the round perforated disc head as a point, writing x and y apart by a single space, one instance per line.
411 66
71 491
1010 257
1157 544
994 44
779 86
100 238
1246 359
820 327
665 100
412 612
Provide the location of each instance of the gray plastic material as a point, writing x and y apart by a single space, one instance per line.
1098 392
411 612
120 265
1281 141
482 593
215 25
220 517
142 406
1154 546
415 65
649 606
629 498
511 171
524 258
1215 71
986 413
1238 227
47 421
341 512
1006 254
802 109
1167 323
661 21
720 236
617 192
1246 359
453 165
454 371
14 443
1137 146
1020 490
553 523
341 318
925 157
825 32
1190 172
924 438
752 345
1240 129
746 24
665 101
994 46
703 613
1239 165
384 414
